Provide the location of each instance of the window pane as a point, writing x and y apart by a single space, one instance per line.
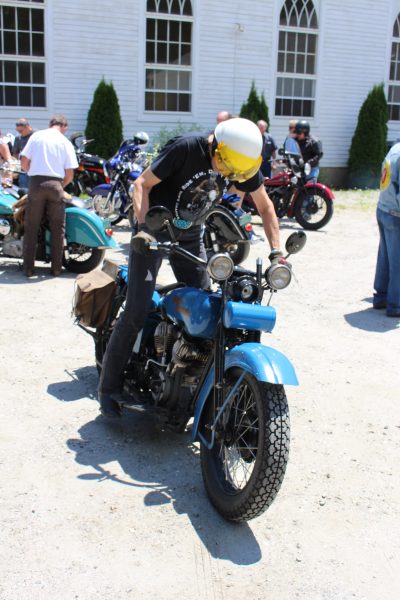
172 102
287 107
288 86
10 92
160 81
175 8
37 20
25 96
278 107
172 80
151 29
308 108
39 97
10 45
185 81
24 46
187 8
281 62
174 54
162 30
10 71
23 19
282 40
297 109
291 42
290 58
150 52
8 17
174 31
312 43
148 102
1 95
186 32
184 103
38 73
310 65
37 44
186 57
24 72
162 53
159 101
300 67
301 42
163 6
298 87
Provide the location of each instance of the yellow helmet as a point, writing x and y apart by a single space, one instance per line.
237 149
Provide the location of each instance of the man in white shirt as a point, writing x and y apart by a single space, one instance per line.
49 159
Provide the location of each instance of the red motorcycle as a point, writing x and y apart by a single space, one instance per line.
310 203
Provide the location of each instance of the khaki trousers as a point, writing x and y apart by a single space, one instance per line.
46 200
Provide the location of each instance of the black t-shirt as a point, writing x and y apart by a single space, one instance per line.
189 187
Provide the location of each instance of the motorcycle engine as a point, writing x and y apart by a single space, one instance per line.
11 244
279 197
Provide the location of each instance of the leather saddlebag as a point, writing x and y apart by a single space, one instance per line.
94 293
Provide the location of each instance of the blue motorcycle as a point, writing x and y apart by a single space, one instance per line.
200 356
87 236
114 200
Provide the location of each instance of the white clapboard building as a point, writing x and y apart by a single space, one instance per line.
181 61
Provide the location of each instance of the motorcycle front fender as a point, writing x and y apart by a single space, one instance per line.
264 363
101 190
226 223
310 187
85 227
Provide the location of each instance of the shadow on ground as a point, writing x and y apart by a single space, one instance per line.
369 319
164 463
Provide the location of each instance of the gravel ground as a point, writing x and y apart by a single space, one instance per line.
92 510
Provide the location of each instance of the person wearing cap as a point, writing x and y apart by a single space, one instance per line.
49 159
189 176
24 133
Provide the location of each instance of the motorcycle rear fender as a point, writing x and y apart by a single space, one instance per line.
85 227
6 203
310 186
101 190
264 363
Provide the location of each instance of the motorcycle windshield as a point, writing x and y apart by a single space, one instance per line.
291 146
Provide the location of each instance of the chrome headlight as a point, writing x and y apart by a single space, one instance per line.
307 168
278 276
220 267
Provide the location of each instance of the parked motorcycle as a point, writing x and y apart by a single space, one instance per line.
113 200
228 228
90 171
87 236
311 204
199 355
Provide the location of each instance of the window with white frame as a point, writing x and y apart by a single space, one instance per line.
394 74
22 54
297 59
168 86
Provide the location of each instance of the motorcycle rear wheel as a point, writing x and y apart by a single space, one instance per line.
313 210
82 259
244 470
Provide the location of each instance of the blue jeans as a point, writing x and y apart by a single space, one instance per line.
313 176
387 275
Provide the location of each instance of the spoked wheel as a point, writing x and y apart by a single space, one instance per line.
244 470
313 209
82 259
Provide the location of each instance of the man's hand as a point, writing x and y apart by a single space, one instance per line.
140 242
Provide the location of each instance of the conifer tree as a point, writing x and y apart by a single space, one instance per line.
104 123
255 108
369 144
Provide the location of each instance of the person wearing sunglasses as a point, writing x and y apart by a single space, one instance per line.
25 131
189 176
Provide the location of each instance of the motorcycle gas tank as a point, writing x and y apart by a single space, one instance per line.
6 202
196 311
278 179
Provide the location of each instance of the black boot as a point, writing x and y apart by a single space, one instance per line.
110 405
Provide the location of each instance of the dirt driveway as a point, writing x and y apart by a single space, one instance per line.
94 511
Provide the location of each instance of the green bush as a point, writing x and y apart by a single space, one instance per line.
255 108
104 123
162 137
369 146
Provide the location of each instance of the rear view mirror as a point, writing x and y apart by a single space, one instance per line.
295 242
157 218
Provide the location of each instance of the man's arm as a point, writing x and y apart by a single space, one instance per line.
25 163
141 191
68 177
267 213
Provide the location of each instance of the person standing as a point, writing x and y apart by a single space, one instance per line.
24 133
223 115
49 159
387 272
310 148
268 150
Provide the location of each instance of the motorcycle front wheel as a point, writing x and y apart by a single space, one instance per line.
313 209
82 259
244 470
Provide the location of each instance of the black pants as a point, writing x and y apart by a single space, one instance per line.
143 270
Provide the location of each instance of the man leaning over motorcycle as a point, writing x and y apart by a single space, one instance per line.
189 176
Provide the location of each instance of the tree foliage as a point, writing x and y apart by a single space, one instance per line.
369 143
104 123
255 108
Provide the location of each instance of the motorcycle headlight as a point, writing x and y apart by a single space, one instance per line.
294 180
307 168
278 276
220 267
